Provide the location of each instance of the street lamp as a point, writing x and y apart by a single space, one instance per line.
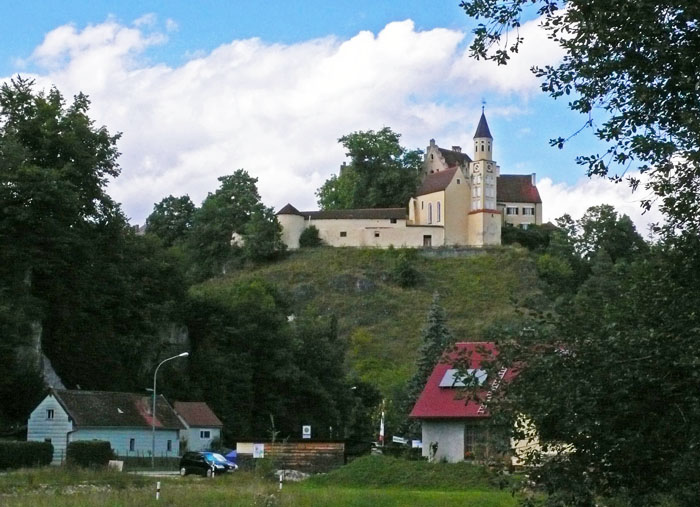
153 414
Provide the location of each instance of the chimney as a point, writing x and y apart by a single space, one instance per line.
534 180
458 149
342 167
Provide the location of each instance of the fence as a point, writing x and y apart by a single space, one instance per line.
310 457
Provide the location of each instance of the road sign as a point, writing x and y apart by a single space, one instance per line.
258 450
306 431
399 440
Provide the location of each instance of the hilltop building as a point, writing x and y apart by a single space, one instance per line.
460 202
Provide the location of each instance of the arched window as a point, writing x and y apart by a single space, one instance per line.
430 212
438 211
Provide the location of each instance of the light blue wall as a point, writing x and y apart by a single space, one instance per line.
40 427
449 435
119 439
195 442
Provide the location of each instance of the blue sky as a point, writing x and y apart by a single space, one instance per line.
202 88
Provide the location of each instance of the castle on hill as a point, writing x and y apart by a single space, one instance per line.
460 202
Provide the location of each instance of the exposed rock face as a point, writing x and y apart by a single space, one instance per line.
292 475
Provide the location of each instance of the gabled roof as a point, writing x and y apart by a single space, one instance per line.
453 158
435 182
366 213
482 129
516 188
104 408
437 402
289 210
197 414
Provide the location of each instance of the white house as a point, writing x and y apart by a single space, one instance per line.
201 424
122 419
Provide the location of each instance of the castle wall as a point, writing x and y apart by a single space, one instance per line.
292 225
457 213
423 207
379 233
484 228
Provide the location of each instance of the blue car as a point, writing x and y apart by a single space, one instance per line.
205 463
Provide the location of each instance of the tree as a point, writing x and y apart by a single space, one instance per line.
263 236
309 237
223 213
630 58
381 173
171 219
436 338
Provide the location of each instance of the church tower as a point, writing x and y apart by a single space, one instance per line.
484 217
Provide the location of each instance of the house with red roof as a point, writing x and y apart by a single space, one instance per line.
453 428
202 426
460 202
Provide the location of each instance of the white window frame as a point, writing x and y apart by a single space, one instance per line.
511 210
528 211
204 434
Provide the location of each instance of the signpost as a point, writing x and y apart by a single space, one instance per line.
306 431
258 450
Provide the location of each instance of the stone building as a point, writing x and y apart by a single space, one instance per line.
460 202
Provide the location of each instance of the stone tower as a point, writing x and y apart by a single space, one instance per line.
484 217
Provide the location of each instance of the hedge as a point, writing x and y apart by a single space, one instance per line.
89 453
15 454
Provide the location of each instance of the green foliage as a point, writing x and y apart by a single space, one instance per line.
309 237
404 272
263 236
24 454
89 453
630 59
381 173
171 219
535 237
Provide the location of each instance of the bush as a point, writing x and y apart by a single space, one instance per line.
403 272
89 453
25 454
310 238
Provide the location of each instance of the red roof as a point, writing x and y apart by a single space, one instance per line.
437 402
436 182
517 188
197 413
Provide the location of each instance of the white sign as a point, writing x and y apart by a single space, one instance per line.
306 431
417 444
258 450
399 440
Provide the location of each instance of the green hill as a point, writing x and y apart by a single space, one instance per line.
381 320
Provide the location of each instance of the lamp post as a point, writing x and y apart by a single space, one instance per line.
153 414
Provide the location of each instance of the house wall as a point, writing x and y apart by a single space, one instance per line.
457 210
40 427
194 440
423 203
520 219
484 229
449 436
361 233
119 440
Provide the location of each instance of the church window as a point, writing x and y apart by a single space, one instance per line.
475 204
438 212
432 156
343 234
430 212
511 210
489 145
476 191
421 205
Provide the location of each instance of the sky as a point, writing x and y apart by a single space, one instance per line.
200 89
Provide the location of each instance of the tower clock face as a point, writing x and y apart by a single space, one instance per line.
489 168
477 168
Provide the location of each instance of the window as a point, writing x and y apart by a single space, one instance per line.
430 212
490 204
205 434
438 212
458 181
421 205
475 204
529 211
393 220
47 440
170 445
476 191
474 440
343 234
49 413
523 226
511 210
132 444
427 240
376 234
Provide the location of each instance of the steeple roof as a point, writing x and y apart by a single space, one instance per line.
482 130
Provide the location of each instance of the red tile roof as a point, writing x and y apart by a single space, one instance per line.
516 188
197 413
436 182
437 402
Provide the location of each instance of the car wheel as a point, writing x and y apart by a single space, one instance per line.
210 472
183 471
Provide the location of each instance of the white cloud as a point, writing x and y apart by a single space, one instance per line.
276 110
560 198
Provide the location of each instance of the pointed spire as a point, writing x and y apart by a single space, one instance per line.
482 130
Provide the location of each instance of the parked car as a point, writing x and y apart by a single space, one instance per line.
205 463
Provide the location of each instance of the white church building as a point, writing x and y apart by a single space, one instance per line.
460 202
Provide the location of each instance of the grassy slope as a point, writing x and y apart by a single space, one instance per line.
383 321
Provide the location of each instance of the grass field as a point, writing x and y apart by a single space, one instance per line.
394 483
381 320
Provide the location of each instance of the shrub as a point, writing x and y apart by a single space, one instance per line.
89 453
309 237
25 454
403 272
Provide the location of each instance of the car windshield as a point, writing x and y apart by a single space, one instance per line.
215 457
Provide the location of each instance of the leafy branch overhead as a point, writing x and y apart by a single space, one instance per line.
632 67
